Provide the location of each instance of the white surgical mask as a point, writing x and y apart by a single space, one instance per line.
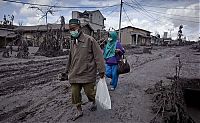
74 33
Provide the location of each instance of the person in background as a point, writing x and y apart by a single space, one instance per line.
85 60
113 51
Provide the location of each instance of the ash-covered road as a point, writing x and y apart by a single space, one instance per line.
30 91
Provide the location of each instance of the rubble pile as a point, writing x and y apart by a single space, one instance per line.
138 50
147 50
196 47
169 103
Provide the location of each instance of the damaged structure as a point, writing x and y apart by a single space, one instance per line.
35 34
6 36
94 18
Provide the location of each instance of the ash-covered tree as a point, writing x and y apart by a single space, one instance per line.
51 44
7 21
180 34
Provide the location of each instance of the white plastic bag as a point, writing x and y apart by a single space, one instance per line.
102 94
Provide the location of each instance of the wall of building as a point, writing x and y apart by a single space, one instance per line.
75 14
125 36
96 27
141 32
97 18
129 35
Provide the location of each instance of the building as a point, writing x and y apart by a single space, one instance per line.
165 35
135 36
154 40
94 18
34 35
167 41
6 36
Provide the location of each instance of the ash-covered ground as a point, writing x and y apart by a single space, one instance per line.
30 91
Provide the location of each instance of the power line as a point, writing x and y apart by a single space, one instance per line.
137 10
128 16
34 4
143 9
106 8
165 7
176 18
168 17
171 14
112 11
144 14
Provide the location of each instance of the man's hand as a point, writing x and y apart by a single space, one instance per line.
117 50
63 77
101 75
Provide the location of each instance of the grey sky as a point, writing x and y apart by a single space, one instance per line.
156 16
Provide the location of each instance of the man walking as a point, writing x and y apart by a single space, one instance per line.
85 60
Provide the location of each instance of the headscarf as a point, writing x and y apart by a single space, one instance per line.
109 50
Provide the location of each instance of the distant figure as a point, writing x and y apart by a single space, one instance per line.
62 21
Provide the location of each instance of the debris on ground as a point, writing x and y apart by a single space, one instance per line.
169 103
23 50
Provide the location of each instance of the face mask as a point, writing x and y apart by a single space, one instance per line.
74 34
109 39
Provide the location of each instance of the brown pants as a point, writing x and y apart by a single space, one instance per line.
76 92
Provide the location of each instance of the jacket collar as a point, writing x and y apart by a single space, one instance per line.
81 37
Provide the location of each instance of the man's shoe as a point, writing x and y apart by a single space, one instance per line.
77 115
93 107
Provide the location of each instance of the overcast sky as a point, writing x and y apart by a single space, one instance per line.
157 16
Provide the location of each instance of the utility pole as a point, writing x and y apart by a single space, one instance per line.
120 19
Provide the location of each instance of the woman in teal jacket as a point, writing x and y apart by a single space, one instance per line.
112 54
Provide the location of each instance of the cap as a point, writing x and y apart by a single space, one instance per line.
74 21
